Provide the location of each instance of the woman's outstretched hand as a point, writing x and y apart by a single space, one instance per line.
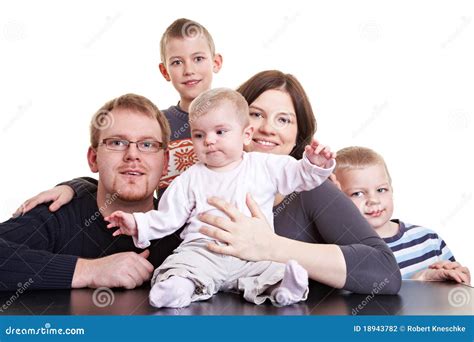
248 238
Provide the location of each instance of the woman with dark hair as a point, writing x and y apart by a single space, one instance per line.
287 84
321 229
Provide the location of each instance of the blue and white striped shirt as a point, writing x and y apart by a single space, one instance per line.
416 248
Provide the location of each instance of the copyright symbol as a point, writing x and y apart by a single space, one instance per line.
402 328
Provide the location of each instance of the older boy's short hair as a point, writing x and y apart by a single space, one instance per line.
185 28
103 118
210 99
357 157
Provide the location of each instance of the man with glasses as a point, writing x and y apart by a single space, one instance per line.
72 248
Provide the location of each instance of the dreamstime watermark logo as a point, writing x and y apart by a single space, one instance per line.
178 311
109 21
378 109
465 199
452 37
109 199
458 297
377 287
21 288
202 109
459 120
14 31
191 30
21 110
281 119
370 31
102 297
288 199
287 21
103 120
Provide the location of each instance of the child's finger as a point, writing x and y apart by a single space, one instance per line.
464 269
327 153
465 274
464 278
452 265
454 276
319 149
437 265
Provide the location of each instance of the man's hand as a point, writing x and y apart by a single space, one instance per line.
319 155
125 222
126 269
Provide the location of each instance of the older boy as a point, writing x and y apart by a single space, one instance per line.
188 61
421 254
220 128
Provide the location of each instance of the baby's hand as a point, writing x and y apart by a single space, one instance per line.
319 155
125 222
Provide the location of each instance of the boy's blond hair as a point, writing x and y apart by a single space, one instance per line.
357 157
103 118
184 28
210 99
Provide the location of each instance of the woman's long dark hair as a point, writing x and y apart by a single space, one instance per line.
274 79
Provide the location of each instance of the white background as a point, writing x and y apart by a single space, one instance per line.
395 76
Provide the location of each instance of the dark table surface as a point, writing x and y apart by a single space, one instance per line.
414 298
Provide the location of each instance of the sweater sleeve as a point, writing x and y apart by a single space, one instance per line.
292 175
369 261
27 260
82 186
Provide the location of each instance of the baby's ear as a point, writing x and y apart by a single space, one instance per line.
164 72
248 134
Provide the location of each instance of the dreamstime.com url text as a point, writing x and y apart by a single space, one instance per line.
46 330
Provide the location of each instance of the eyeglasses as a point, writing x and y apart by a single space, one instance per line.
147 146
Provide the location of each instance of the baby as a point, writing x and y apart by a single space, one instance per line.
219 120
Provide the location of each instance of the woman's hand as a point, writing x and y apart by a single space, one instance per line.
248 238
59 195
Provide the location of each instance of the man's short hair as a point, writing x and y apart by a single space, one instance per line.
357 157
211 99
182 29
103 118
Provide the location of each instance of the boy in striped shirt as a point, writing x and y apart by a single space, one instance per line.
362 174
